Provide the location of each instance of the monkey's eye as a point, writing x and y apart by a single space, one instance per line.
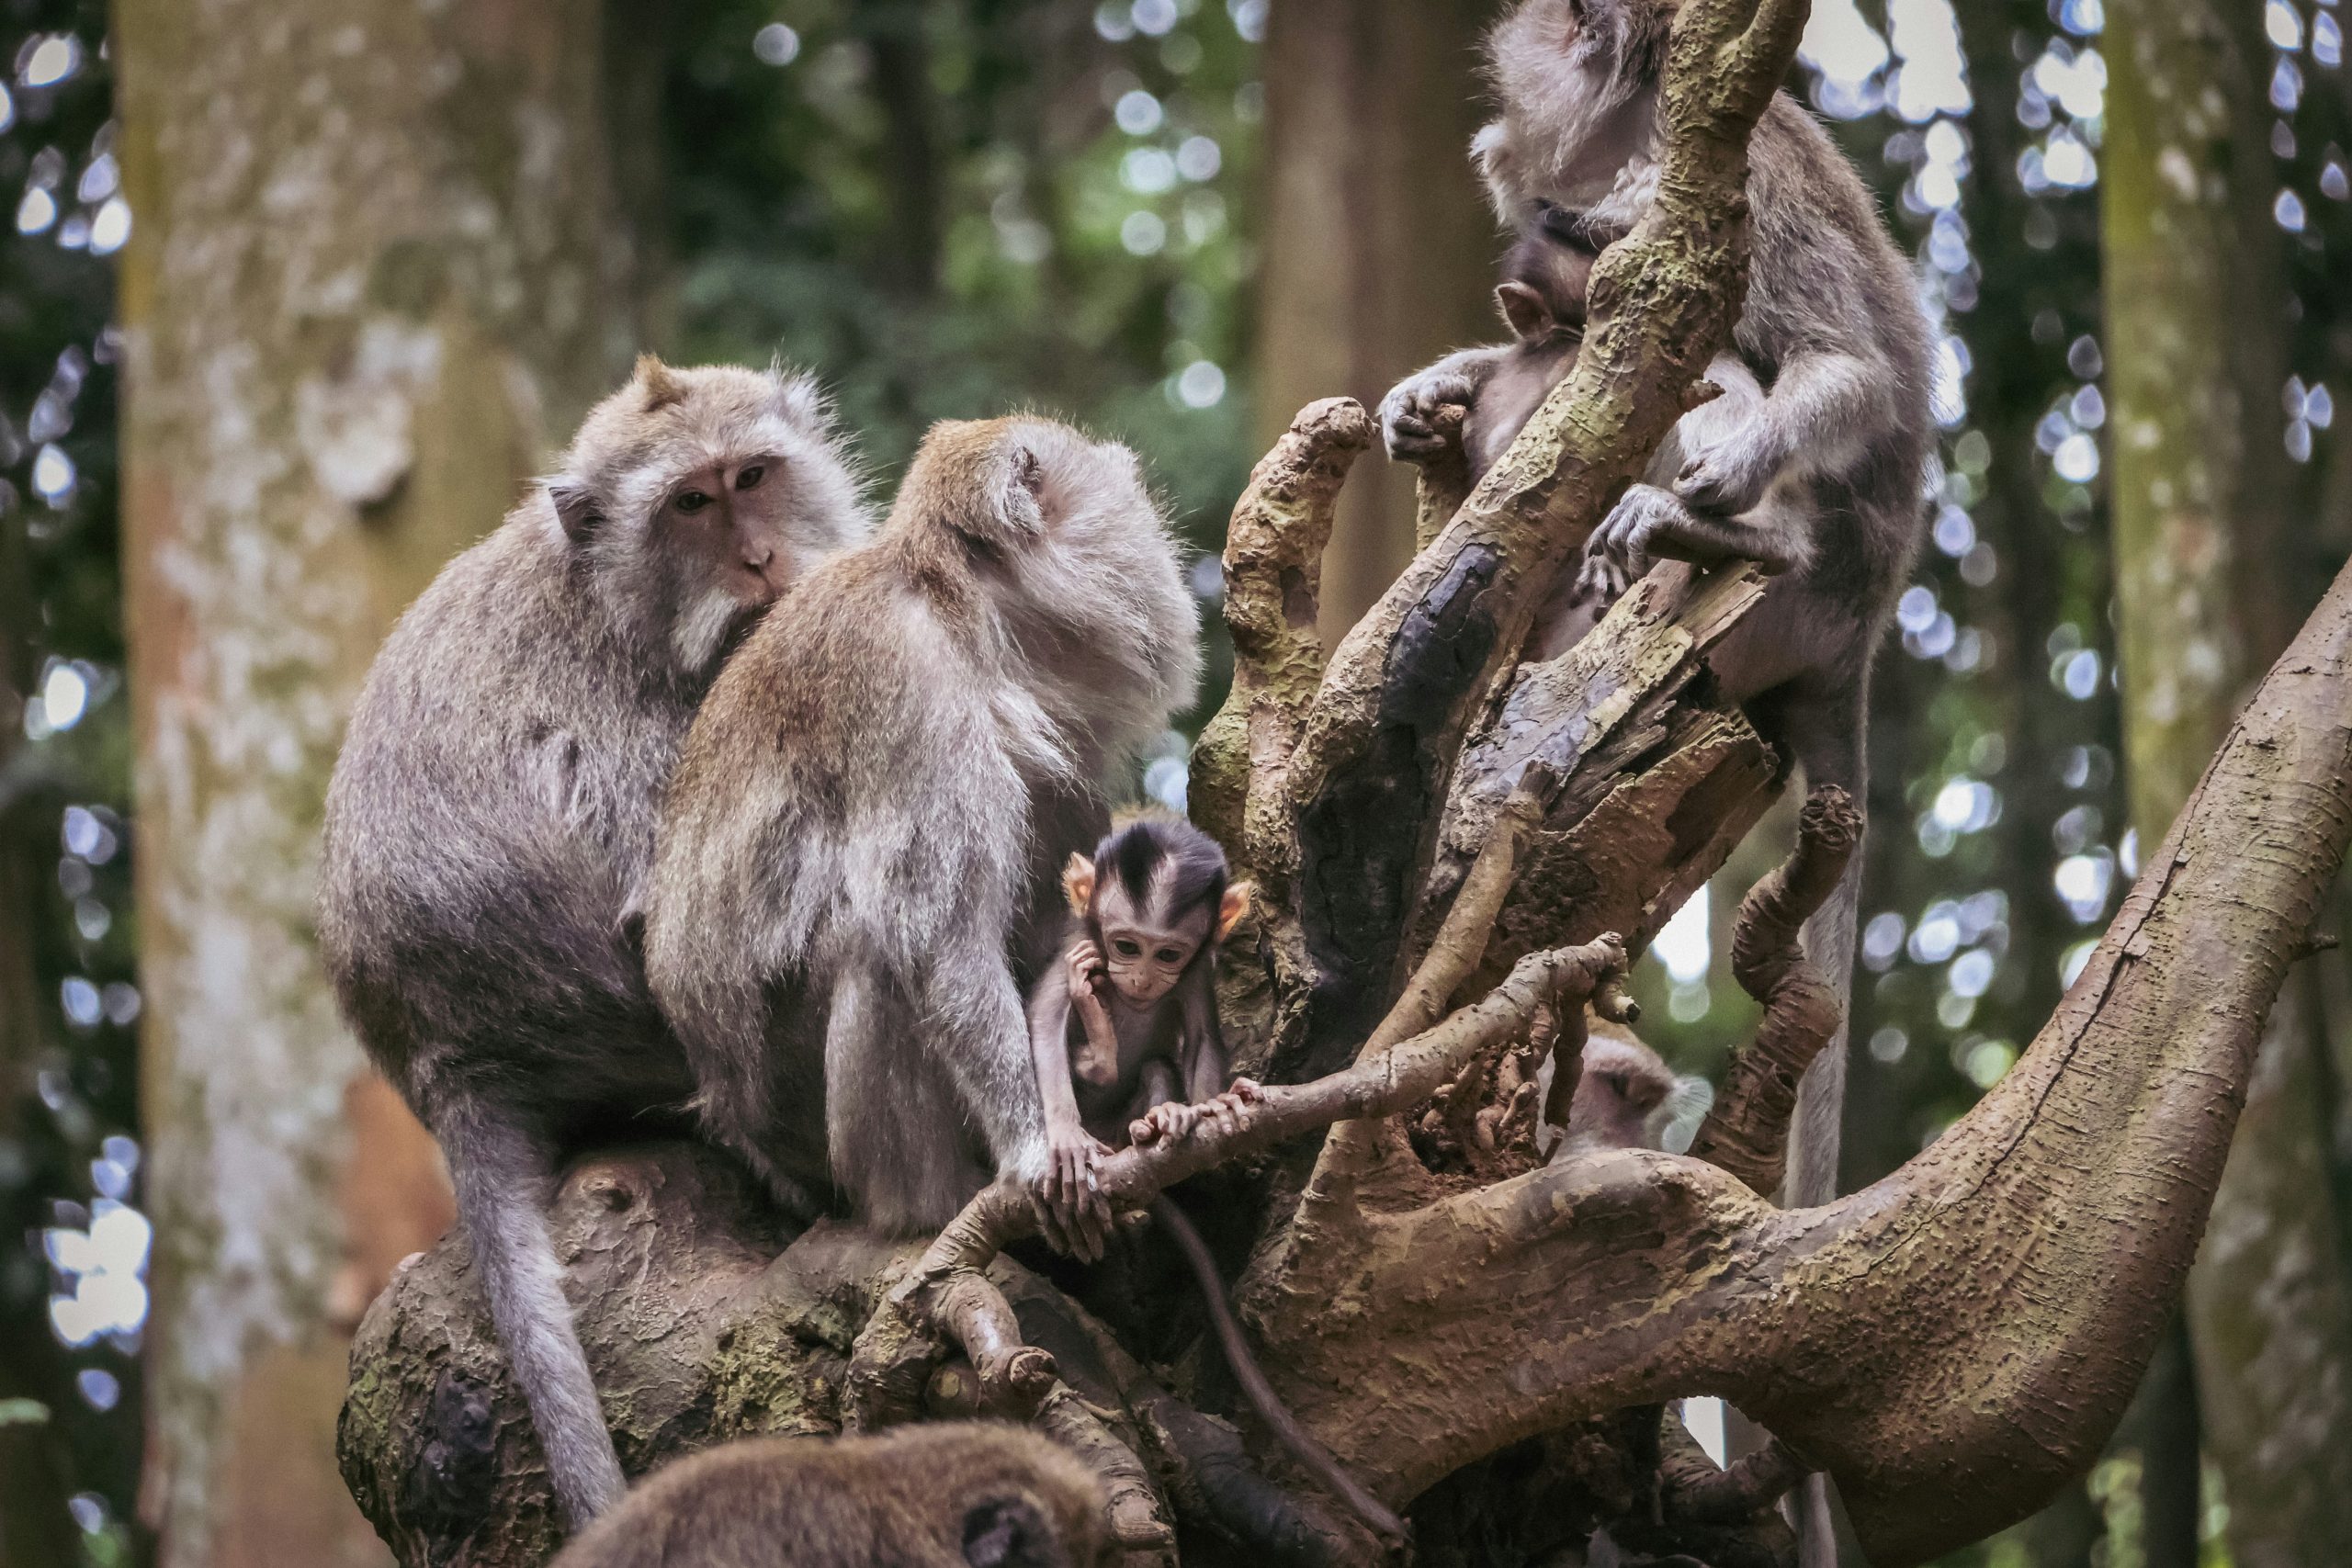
751 477
691 501
1168 957
1126 948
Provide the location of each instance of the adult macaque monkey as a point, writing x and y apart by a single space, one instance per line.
1838 444
490 824
948 1495
846 853
1124 1031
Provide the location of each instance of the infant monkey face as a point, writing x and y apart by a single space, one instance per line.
1145 956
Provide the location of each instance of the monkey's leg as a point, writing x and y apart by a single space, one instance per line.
1649 524
1818 407
503 1178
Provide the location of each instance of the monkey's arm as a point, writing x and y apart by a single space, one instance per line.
1409 423
1075 1216
1201 1051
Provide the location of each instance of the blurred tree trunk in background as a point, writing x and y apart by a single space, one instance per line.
2198 322
375 270
1379 247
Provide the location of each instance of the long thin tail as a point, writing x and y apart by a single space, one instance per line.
1312 1456
1831 741
503 1181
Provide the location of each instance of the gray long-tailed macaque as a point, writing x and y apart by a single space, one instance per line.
851 843
491 821
1124 1031
1833 327
948 1495
1838 444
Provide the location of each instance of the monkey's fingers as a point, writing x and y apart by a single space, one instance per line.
1248 1091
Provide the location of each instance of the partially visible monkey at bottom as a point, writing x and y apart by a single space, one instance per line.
490 824
951 1495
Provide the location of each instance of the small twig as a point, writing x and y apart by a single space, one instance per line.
1746 1133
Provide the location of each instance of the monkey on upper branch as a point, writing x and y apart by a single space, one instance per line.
490 824
1833 455
948 1495
853 846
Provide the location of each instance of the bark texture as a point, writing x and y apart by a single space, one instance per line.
370 274
1484 1339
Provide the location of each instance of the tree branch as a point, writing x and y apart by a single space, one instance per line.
1746 1133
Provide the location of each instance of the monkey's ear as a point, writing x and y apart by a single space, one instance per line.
1524 309
1018 504
1077 883
1009 1533
661 384
575 508
1231 908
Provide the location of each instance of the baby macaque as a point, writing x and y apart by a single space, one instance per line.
948 1495
490 824
847 854
1125 1032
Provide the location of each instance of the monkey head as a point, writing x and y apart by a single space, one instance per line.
1155 896
1623 1087
1547 275
1572 75
1078 576
695 497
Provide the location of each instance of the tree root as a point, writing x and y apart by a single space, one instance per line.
1746 1132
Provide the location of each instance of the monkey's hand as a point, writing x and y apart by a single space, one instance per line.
1415 421
1621 549
1224 1111
1169 1122
1071 1207
1732 476
1083 963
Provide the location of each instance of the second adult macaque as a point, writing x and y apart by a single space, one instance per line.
1123 1031
845 859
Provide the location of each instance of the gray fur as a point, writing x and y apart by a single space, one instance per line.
850 860
491 821
948 1495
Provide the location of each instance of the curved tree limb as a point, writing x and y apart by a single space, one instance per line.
1864 1333
1746 1133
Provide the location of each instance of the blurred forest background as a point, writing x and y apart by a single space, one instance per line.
363 264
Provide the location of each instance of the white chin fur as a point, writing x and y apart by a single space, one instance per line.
701 629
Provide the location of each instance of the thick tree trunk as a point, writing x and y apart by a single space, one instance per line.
369 277
1379 247
2196 322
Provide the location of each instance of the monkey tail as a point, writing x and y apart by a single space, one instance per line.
503 1178
1312 1456
1832 749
